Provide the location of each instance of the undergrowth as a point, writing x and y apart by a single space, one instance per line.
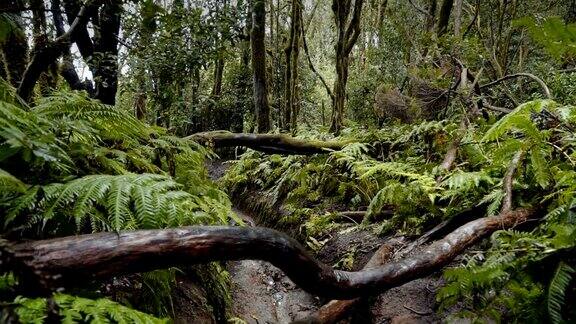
70 165
397 168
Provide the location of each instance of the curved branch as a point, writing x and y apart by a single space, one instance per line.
72 261
46 55
268 143
543 85
311 65
336 310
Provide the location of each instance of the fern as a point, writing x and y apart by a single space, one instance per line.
9 184
73 309
518 119
121 202
557 37
75 106
557 290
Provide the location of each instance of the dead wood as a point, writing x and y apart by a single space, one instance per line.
74 261
267 143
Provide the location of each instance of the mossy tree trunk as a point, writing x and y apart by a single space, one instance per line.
260 87
347 18
292 52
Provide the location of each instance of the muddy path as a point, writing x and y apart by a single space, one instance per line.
263 294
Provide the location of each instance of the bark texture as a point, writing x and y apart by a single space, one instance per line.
268 143
261 106
444 18
73 261
347 18
292 53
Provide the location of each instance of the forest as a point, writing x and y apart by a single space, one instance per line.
287 161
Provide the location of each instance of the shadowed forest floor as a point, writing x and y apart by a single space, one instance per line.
263 294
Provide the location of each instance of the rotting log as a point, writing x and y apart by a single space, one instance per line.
75 260
267 143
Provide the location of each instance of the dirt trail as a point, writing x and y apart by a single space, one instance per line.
263 294
260 292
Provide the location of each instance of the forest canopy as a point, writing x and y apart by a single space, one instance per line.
382 160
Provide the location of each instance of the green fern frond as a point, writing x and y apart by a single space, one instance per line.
111 122
465 181
557 291
9 184
75 309
128 201
538 161
518 119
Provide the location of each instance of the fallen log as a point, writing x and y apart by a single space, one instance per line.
73 261
267 143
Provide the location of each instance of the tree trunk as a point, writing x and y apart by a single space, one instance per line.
444 18
339 103
262 108
218 73
348 30
458 17
106 71
43 266
292 51
380 19
431 18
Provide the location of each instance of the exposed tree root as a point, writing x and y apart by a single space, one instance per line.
72 261
267 143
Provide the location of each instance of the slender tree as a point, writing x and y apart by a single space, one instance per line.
262 108
347 14
292 52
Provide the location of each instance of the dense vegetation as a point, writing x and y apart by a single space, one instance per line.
411 115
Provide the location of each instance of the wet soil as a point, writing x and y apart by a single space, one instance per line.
263 294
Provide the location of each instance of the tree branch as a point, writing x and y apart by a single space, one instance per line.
46 55
353 30
72 261
420 10
336 310
311 65
508 181
543 85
